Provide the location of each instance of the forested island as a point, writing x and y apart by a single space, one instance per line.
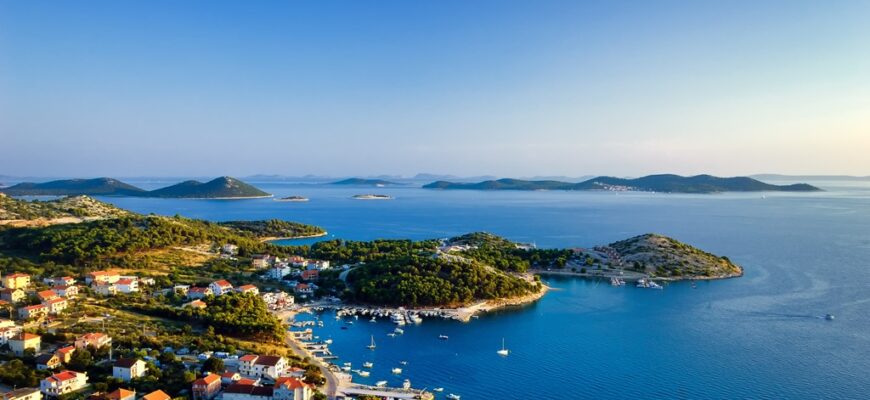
653 183
224 187
364 182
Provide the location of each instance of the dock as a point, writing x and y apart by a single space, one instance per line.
349 390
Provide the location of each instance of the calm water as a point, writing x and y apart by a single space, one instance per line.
759 336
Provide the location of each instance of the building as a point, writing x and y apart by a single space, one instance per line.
241 391
262 366
230 249
127 369
23 341
287 388
22 394
278 272
102 277
56 306
248 289
261 261
121 394
33 312
65 353
228 378
198 304
206 388
105 289
304 289
156 395
47 361
95 339
46 295
63 382
318 265
221 287
16 281
310 275
66 291
9 332
127 285
60 281
12 295
298 261
198 292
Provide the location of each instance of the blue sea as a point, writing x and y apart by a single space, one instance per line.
761 336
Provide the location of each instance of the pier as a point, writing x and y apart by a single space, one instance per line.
348 391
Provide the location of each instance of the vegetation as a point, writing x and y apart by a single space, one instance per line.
223 187
662 256
73 206
364 182
274 228
654 183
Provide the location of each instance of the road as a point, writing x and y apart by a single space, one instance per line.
331 385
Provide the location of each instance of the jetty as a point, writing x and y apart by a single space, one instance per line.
352 390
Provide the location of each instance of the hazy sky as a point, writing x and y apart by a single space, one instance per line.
523 88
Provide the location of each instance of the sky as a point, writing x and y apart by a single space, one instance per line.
505 88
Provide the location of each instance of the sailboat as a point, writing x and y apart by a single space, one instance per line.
503 351
372 346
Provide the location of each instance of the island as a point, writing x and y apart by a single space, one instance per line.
372 197
364 182
293 199
224 187
666 183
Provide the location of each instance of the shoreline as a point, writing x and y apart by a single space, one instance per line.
635 275
277 238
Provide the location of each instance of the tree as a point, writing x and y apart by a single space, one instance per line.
81 360
213 364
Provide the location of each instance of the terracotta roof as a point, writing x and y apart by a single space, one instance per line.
247 287
223 283
156 395
25 336
248 357
17 275
207 380
55 301
270 361
47 294
125 281
290 382
93 336
229 374
246 381
67 349
120 394
198 289
63 376
34 307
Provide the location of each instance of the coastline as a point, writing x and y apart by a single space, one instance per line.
633 275
277 238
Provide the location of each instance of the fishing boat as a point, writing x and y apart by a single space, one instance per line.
653 285
368 364
503 352
452 396
381 383
397 370
372 345
443 337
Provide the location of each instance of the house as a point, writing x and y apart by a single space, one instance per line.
45 295
241 391
287 388
23 341
60 281
318 265
182 289
304 289
262 366
198 292
16 281
297 261
102 277
156 395
47 362
206 388
63 382
127 369
260 261
310 275
65 353
278 272
12 295
105 289
56 306
95 339
121 394
32 312
230 249
127 285
228 378
22 394
248 289
221 287
198 304
9 332
66 291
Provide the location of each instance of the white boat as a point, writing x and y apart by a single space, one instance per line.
416 319
829 317
345 369
438 389
503 352
397 319
443 337
403 362
373 319
397 370
452 396
653 285
406 384
328 341
368 364
381 383
347 364
399 331
372 345
391 334
364 374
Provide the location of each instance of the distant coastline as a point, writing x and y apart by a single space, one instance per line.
279 238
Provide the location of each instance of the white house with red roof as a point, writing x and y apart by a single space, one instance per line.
198 292
262 366
288 388
221 287
56 305
63 382
66 291
95 339
127 285
248 289
102 277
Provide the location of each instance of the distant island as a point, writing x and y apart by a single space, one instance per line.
365 182
653 183
372 197
220 188
293 199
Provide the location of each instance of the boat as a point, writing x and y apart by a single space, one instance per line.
328 341
616 282
653 285
347 364
443 337
373 319
416 319
452 396
397 319
406 384
829 317
368 364
503 352
381 383
345 369
399 331
391 334
403 362
372 197
364 374
438 389
372 345
397 370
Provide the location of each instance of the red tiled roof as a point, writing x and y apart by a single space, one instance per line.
125 281
47 294
223 283
64 376
17 275
248 358
290 383
120 394
156 395
207 380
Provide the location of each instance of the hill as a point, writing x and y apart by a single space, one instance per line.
74 187
15 212
364 182
652 183
662 256
223 187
